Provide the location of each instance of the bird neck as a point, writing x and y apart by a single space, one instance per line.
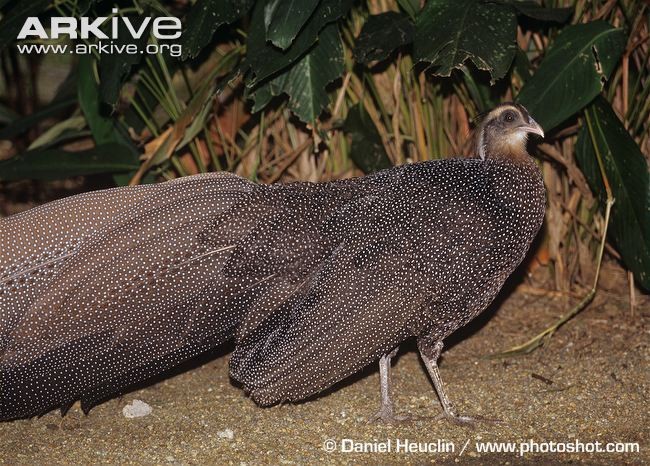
510 149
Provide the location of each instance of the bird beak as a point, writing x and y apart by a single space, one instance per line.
533 127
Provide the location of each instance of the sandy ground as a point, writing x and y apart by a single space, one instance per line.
589 384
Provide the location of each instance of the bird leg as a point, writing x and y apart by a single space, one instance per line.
430 352
385 413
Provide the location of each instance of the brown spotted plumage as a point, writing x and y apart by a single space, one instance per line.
312 281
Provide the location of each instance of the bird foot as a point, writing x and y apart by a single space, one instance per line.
469 421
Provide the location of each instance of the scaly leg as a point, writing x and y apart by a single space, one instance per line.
430 352
385 413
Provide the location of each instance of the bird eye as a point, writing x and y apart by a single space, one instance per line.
509 116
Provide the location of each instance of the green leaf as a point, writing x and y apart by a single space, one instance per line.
261 97
521 65
20 125
266 59
13 22
105 130
411 7
479 91
72 125
449 33
285 18
381 34
536 11
101 125
114 68
629 179
188 124
204 19
366 150
573 72
306 80
197 125
56 164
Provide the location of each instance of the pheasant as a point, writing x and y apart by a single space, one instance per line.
313 282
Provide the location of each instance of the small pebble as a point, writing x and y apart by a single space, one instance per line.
135 409
226 433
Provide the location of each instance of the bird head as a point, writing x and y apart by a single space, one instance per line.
504 131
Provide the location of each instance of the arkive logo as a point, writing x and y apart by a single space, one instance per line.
162 28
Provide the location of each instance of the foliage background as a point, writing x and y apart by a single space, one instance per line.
322 89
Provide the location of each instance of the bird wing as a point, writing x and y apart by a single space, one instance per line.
118 310
360 302
351 315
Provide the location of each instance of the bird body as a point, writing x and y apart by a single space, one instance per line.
312 281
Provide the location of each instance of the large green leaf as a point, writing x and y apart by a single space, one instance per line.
381 34
629 179
13 22
265 59
204 19
573 72
449 33
366 149
285 18
55 164
306 80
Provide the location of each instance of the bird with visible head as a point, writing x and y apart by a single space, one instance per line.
501 136
313 282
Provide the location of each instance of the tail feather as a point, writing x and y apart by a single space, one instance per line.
116 309
38 243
